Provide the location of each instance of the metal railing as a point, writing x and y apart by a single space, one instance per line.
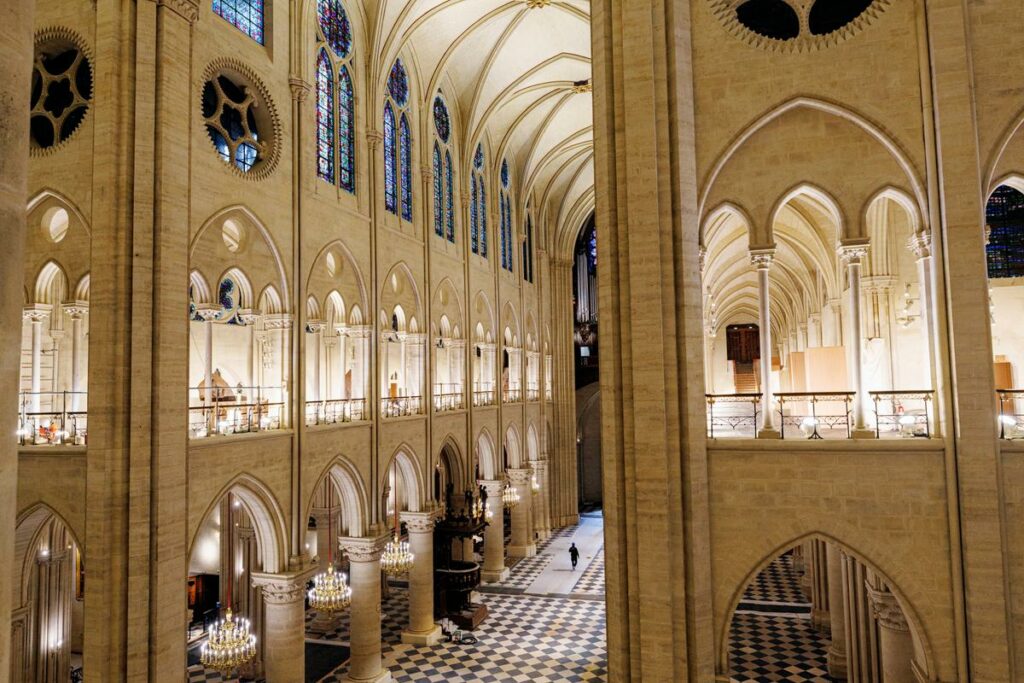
736 414
812 411
401 406
335 410
532 394
483 397
241 410
1011 413
448 397
512 395
904 413
52 418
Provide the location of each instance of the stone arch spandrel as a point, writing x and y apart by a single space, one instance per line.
765 501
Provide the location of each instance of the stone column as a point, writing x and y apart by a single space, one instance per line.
364 579
761 259
541 509
861 632
852 253
76 312
921 244
422 630
315 327
36 315
818 572
494 570
522 534
837 617
342 339
284 642
249 318
895 641
53 613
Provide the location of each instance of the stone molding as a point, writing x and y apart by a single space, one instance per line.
921 243
248 316
519 477
76 309
299 88
36 313
761 258
186 9
282 589
494 487
853 253
281 321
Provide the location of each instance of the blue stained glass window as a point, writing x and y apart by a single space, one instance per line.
442 122
245 15
483 218
398 84
390 161
508 236
474 229
528 251
335 26
405 153
346 131
324 118
1004 215
504 172
478 158
449 198
438 193
501 227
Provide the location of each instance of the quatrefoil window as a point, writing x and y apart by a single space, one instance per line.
61 91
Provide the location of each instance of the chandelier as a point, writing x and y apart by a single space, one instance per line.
230 643
481 511
509 497
397 558
330 592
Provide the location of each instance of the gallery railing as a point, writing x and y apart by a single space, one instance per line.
1011 413
814 412
532 394
448 397
401 406
512 395
52 418
483 397
242 410
903 413
732 414
336 410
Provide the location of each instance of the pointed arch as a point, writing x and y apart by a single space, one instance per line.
353 497
51 284
406 465
390 161
485 456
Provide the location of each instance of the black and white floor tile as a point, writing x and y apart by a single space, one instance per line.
521 575
771 637
592 581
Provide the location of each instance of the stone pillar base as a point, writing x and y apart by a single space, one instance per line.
769 434
492 576
837 662
863 434
429 638
522 550
383 677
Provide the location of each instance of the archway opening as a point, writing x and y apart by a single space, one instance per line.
1005 257
586 348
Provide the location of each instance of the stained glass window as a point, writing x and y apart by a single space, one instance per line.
528 251
324 118
501 226
478 158
405 153
1005 219
449 198
335 26
504 172
474 230
346 131
438 193
390 161
398 84
442 122
478 205
483 218
245 15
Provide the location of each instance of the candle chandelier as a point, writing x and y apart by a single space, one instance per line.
509 497
330 592
231 643
397 558
480 510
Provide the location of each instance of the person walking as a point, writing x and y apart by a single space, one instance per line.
574 555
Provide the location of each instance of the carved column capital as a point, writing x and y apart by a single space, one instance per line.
76 310
494 487
36 313
921 244
853 253
208 312
420 522
364 549
374 138
282 589
300 89
761 258
248 316
520 476
887 610
281 321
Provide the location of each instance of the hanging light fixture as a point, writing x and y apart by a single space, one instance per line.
231 643
534 485
397 558
330 592
509 497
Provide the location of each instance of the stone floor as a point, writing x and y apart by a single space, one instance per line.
771 638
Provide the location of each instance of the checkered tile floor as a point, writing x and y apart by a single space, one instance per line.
592 581
525 638
522 574
395 609
771 638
